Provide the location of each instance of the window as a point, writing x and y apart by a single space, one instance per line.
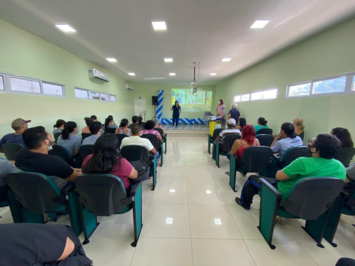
264 95
52 89
94 95
112 98
256 96
25 85
329 85
237 98
104 97
2 87
80 93
299 90
245 97
353 84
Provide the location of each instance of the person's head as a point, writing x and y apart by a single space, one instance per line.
344 136
288 130
134 119
156 121
176 103
220 101
242 122
36 138
94 117
149 124
108 121
223 122
234 106
262 121
324 145
105 155
20 125
124 123
59 124
88 120
140 119
298 123
248 134
231 123
95 128
136 130
70 127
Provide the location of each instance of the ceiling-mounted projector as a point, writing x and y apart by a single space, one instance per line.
194 83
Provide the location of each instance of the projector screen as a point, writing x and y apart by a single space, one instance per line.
192 102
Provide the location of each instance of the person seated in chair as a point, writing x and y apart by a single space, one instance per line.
88 121
95 130
59 126
140 122
157 124
350 186
344 136
124 128
230 130
34 158
19 125
299 127
69 139
322 164
261 123
222 124
247 140
285 140
149 129
94 117
134 121
5 168
242 123
110 123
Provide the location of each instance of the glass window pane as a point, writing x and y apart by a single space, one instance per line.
52 89
269 94
81 93
104 97
94 95
299 90
256 96
2 87
24 85
329 85
245 97
112 98
237 98
353 87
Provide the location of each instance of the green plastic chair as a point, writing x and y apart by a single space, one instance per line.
212 138
105 195
11 150
164 137
225 147
7 199
308 199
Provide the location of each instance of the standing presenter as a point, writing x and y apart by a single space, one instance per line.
220 109
176 113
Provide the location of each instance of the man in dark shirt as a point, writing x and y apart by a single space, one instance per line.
19 125
35 158
234 113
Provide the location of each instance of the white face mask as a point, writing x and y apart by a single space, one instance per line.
219 102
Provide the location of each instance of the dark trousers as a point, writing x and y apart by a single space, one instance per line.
252 187
176 120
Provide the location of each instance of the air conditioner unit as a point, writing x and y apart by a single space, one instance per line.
96 74
128 87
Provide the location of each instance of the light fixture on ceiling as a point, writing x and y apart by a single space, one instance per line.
195 82
172 190
131 74
169 220
111 60
213 74
153 78
65 28
168 60
259 24
226 59
159 25
217 221
172 74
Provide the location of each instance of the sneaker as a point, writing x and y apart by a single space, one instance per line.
227 173
238 201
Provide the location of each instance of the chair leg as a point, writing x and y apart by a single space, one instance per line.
217 154
209 143
155 173
161 155
137 215
232 173
166 142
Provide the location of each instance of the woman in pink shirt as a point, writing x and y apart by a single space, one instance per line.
220 109
149 129
105 160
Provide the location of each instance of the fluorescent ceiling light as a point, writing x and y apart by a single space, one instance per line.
111 59
65 28
172 74
208 192
169 220
159 25
153 78
259 24
217 222
213 74
131 74
172 190
168 60
226 59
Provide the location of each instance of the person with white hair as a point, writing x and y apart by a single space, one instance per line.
234 113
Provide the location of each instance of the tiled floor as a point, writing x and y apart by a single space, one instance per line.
191 219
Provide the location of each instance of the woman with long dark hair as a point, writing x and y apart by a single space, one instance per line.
106 160
69 139
110 122
344 136
176 113
58 127
123 128
241 123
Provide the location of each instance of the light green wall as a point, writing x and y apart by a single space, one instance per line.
25 54
147 91
327 54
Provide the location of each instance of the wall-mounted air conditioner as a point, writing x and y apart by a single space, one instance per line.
128 87
96 74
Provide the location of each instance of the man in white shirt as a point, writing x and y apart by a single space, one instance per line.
229 130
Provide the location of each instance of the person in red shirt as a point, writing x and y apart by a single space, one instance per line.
105 160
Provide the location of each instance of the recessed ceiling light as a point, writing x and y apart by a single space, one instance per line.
169 220
259 24
172 74
208 191
226 59
131 74
172 190
213 74
153 78
159 25
111 59
65 27
217 222
168 60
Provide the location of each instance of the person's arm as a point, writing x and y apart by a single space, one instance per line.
159 137
171 108
235 147
218 139
133 174
281 176
68 249
77 146
153 151
74 175
51 139
277 138
229 115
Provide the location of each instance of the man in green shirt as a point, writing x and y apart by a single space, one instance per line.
322 164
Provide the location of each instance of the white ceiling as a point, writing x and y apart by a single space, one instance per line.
198 30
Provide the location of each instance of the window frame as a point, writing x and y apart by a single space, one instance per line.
93 91
262 99
241 99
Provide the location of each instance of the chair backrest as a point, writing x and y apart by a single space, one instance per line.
56 136
85 135
255 159
120 137
85 150
294 153
101 194
153 139
228 141
310 197
345 155
265 131
110 130
265 139
135 153
36 192
216 133
61 152
161 132
11 150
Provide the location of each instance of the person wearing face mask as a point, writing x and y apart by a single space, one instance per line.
220 109
69 139
34 158
19 125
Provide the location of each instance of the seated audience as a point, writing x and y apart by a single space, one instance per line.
140 121
123 129
234 113
58 127
88 121
94 117
248 139
344 136
299 127
69 139
285 140
242 123
222 124
19 125
262 123
157 124
106 160
322 164
149 129
350 187
110 123
34 158
5 168
95 130
134 121
229 130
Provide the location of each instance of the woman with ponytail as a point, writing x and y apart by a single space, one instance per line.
123 129
69 139
110 122
58 127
